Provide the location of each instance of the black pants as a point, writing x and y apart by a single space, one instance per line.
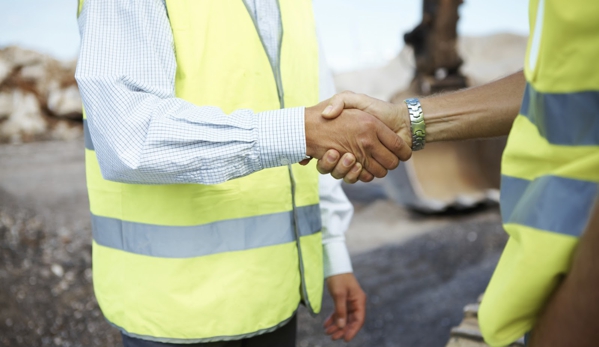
282 337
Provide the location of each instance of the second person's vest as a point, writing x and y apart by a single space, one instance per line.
550 168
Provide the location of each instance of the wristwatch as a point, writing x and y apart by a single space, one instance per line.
416 123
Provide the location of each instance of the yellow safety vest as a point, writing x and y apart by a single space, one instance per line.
190 263
550 167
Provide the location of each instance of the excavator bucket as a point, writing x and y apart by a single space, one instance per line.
449 175
445 175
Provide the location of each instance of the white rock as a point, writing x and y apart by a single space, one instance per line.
23 57
34 72
57 270
26 117
5 105
65 102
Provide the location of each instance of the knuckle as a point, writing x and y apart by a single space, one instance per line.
368 121
366 143
397 143
338 293
394 163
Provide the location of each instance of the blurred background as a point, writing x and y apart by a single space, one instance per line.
424 240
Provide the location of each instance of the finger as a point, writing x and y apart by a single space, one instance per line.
336 105
354 174
345 100
394 143
305 161
344 166
328 321
328 162
333 329
373 166
338 335
356 318
383 156
352 330
340 308
366 176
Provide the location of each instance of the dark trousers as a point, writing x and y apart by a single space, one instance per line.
282 337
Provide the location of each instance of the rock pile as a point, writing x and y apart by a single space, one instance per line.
39 98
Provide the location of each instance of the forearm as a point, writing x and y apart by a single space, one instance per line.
479 112
141 132
148 140
571 315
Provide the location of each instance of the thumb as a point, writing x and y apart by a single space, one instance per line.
340 315
341 101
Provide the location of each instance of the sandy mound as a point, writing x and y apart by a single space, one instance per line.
485 58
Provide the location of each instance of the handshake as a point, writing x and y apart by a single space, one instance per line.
357 137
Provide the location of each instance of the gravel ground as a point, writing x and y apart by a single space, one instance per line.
46 295
417 290
418 271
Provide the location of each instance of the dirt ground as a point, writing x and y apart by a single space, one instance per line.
418 271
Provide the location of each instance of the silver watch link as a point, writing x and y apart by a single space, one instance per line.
416 123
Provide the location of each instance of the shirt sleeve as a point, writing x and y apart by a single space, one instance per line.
336 211
335 208
141 132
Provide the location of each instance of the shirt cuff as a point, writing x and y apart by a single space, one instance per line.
336 259
282 138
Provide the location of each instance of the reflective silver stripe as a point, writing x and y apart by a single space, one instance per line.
206 339
570 119
194 241
551 203
87 137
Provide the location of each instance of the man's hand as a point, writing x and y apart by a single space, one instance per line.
394 116
350 307
484 111
374 145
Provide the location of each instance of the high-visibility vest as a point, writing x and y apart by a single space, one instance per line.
550 167
198 263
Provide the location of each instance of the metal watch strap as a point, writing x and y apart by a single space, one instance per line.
417 123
